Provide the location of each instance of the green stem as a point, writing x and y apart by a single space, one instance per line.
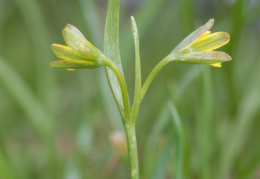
123 87
153 73
132 149
129 125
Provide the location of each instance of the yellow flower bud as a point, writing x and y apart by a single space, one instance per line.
197 48
79 53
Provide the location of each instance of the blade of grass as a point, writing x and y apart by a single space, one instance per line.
149 155
163 158
92 22
178 89
33 16
37 116
253 165
248 169
179 141
72 170
187 15
238 22
6 169
23 95
253 14
247 110
206 122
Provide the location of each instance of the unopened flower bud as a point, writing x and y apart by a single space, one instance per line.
197 48
79 53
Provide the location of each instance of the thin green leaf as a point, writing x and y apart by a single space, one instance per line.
138 77
111 48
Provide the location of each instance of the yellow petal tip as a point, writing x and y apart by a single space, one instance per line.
216 65
71 69
68 26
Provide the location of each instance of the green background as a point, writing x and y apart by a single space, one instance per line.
58 124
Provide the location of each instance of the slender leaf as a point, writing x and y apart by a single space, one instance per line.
111 48
138 77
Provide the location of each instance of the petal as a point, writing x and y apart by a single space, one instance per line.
204 34
209 42
190 39
66 53
216 65
204 58
71 69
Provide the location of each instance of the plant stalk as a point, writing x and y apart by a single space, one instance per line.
153 73
132 149
120 78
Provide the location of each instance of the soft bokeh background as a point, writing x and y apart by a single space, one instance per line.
64 125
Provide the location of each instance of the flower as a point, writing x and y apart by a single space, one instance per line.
197 48
79 52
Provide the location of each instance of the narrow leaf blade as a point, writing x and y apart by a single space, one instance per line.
138 81
111 48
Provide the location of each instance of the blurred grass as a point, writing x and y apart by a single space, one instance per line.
55 123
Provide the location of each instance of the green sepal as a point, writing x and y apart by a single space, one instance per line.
190 39
73 64
210 57
74 39
66 53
